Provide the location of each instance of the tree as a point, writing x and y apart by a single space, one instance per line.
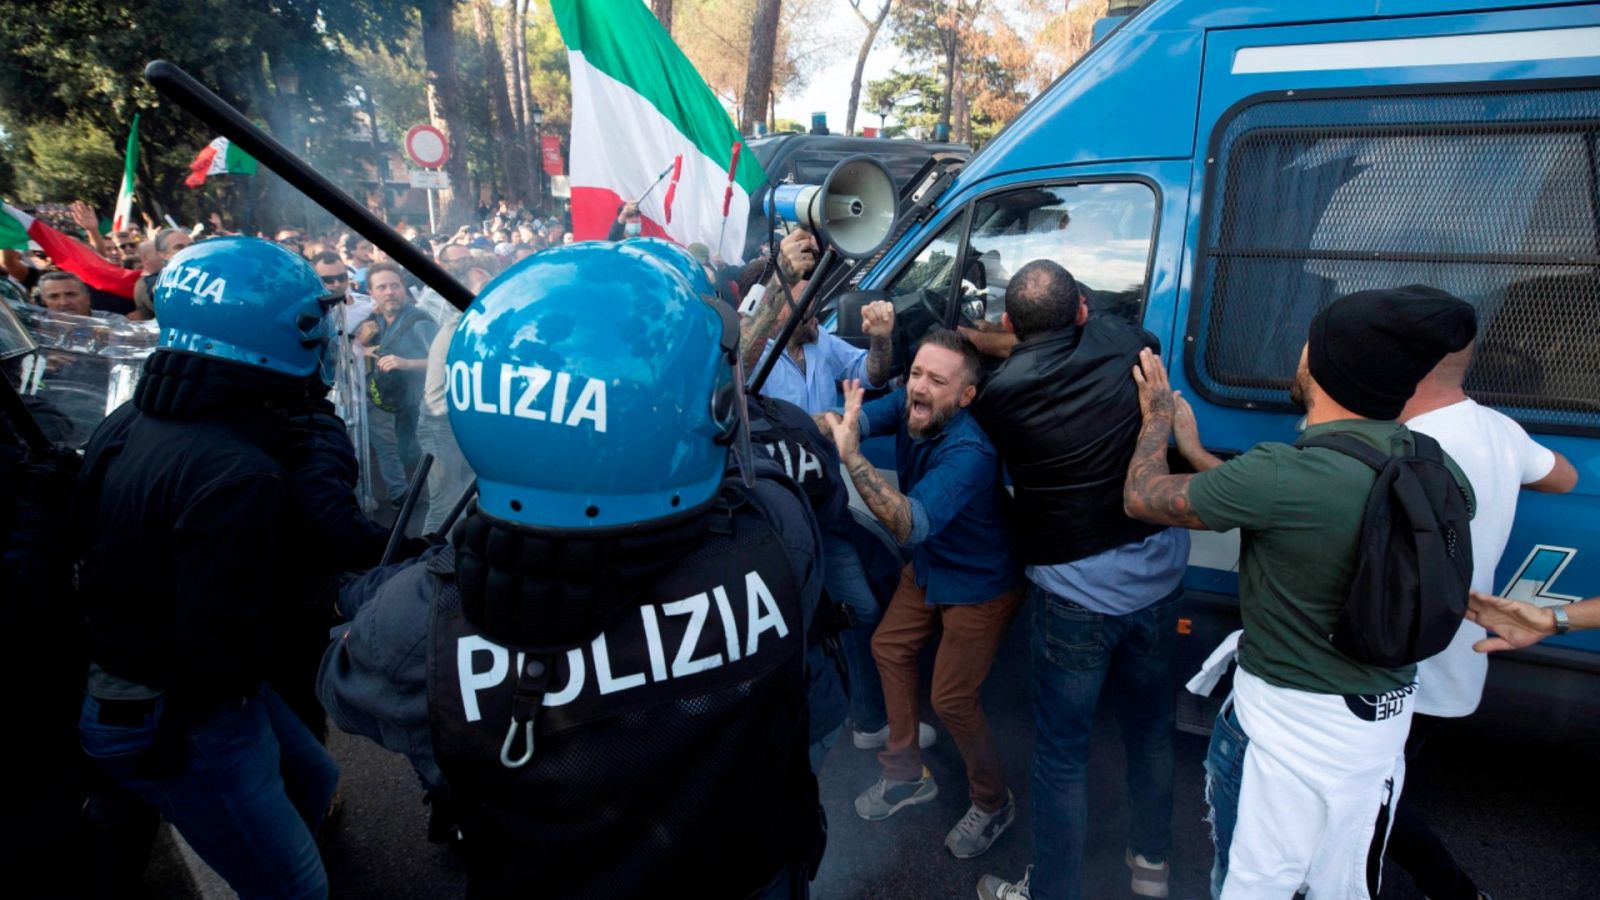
935 32
758 77
663 11
505 127
716 35
872 25
284 64
444 106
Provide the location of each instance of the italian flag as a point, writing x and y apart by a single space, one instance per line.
68 253
220 157
638 105
130 160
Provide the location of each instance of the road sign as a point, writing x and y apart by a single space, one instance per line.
427 147
429 178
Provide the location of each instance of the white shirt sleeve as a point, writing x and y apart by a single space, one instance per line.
1537 459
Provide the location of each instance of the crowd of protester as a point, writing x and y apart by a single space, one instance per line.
1092 541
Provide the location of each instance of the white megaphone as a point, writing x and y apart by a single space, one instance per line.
853 209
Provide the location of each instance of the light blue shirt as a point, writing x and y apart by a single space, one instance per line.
1123 579
828 361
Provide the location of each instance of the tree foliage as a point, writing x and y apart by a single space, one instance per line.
310 72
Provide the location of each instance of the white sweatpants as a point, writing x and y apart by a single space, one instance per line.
1316 775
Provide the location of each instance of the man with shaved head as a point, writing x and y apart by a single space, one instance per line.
1064 415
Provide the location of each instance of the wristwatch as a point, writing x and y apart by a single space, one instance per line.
1562 625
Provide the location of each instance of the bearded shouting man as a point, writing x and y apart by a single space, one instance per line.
963 578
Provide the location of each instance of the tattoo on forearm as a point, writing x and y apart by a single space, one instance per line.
755 330
1152 493
879 358
891 507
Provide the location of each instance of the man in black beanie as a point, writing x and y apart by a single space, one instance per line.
1307 755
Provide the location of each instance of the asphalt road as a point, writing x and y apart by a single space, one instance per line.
1521 812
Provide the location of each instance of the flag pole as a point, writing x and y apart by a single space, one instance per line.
727 195
654 184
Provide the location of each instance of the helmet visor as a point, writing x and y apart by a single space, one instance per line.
335 353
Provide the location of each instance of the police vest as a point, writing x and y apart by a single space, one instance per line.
787 434
666 755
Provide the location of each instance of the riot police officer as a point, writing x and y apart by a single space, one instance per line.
186 512
606 663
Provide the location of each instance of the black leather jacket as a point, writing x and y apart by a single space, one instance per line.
1064 413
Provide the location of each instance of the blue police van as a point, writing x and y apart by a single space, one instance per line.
1219 174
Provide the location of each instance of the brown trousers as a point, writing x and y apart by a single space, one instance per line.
972 634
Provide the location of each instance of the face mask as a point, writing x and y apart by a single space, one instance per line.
631 229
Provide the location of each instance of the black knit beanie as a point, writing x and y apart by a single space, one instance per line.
1370 349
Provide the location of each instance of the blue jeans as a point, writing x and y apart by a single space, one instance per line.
253 788
846 581
385 440
1076 652
450 474
1224 775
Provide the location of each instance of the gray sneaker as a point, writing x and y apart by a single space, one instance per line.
977 830
1149 879
993 887
886 798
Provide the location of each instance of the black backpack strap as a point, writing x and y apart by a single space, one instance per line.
1354 447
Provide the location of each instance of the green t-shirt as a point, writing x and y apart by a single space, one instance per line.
1299 517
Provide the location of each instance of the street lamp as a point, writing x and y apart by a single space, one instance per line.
884 108
536 116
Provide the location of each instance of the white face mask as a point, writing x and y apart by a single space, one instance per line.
631 229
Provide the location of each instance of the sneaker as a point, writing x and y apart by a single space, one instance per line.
877 740
977 830
993 887
886 798
1149 879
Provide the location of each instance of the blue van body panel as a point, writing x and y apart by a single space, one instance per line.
1085 117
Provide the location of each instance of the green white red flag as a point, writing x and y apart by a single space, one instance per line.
637 105
68 253
220 157
130 162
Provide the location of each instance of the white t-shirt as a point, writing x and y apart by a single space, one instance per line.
357 307
1498 458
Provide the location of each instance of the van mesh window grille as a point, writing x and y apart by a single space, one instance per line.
1494 197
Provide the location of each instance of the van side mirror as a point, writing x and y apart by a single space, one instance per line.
849 306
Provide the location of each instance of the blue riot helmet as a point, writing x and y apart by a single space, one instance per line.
679 259
591 386
248 301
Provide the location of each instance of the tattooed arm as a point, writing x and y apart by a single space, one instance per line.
797 256
891 507
877 323
756 329
1152 493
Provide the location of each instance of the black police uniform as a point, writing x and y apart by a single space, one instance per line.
662 752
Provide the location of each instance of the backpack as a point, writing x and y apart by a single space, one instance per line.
1414 560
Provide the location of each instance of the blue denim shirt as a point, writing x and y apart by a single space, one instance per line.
960 528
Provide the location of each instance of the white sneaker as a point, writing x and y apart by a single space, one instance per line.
877 740
1149 879
977 830
993 887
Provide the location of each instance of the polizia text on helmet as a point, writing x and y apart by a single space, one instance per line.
532 402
